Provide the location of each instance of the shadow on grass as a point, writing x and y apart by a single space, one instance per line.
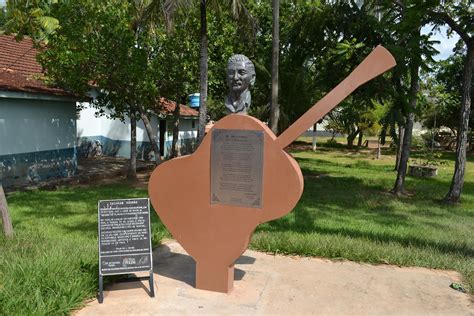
72 209
357 164
350 202
468 186
425 189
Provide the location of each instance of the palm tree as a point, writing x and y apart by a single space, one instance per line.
29 17
275 107
203 71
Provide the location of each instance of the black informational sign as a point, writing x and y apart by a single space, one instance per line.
124 236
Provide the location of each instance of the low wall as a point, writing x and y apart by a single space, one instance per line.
121 148
29 168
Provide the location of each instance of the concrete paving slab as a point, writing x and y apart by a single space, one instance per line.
278 285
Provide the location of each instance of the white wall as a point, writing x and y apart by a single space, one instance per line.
28 125
90 125
186 129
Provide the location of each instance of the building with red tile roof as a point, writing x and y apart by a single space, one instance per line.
18 56
37 122
167 107
42 128
19 70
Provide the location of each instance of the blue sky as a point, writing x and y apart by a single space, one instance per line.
446 45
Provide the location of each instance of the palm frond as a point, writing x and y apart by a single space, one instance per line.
171 7
48 24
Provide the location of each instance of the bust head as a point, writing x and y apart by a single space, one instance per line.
240 77
240 73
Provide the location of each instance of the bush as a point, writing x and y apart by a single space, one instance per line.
417 142
332 143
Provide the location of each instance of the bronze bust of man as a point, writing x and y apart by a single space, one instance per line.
240 77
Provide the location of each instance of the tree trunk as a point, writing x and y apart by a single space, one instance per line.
174 144
401 133
151 135
315 129
351 137
203 69
132 169
399 187
6 220
454 193
361 138
379 150
275 107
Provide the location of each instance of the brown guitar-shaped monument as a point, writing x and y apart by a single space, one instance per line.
214 232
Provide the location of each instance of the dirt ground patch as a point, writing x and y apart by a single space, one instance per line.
96 171
107 170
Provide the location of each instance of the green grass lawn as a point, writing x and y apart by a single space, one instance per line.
346 212
51 266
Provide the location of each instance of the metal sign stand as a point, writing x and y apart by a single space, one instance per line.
100 297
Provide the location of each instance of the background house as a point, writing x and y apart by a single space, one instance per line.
37 123
114 134
42 133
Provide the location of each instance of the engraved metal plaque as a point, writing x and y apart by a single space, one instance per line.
237 167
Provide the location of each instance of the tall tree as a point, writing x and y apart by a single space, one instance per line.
203 72
414 68
132 170
174 143
321 43
275 106
146 14
443 92
238 11
412 51
175 58
399 187
458 16
106 44
396 113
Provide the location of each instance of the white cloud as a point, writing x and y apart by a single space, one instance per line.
445 45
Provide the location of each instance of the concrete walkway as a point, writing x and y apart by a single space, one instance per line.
277 285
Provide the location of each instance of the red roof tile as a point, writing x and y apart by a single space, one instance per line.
167 107
19 70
